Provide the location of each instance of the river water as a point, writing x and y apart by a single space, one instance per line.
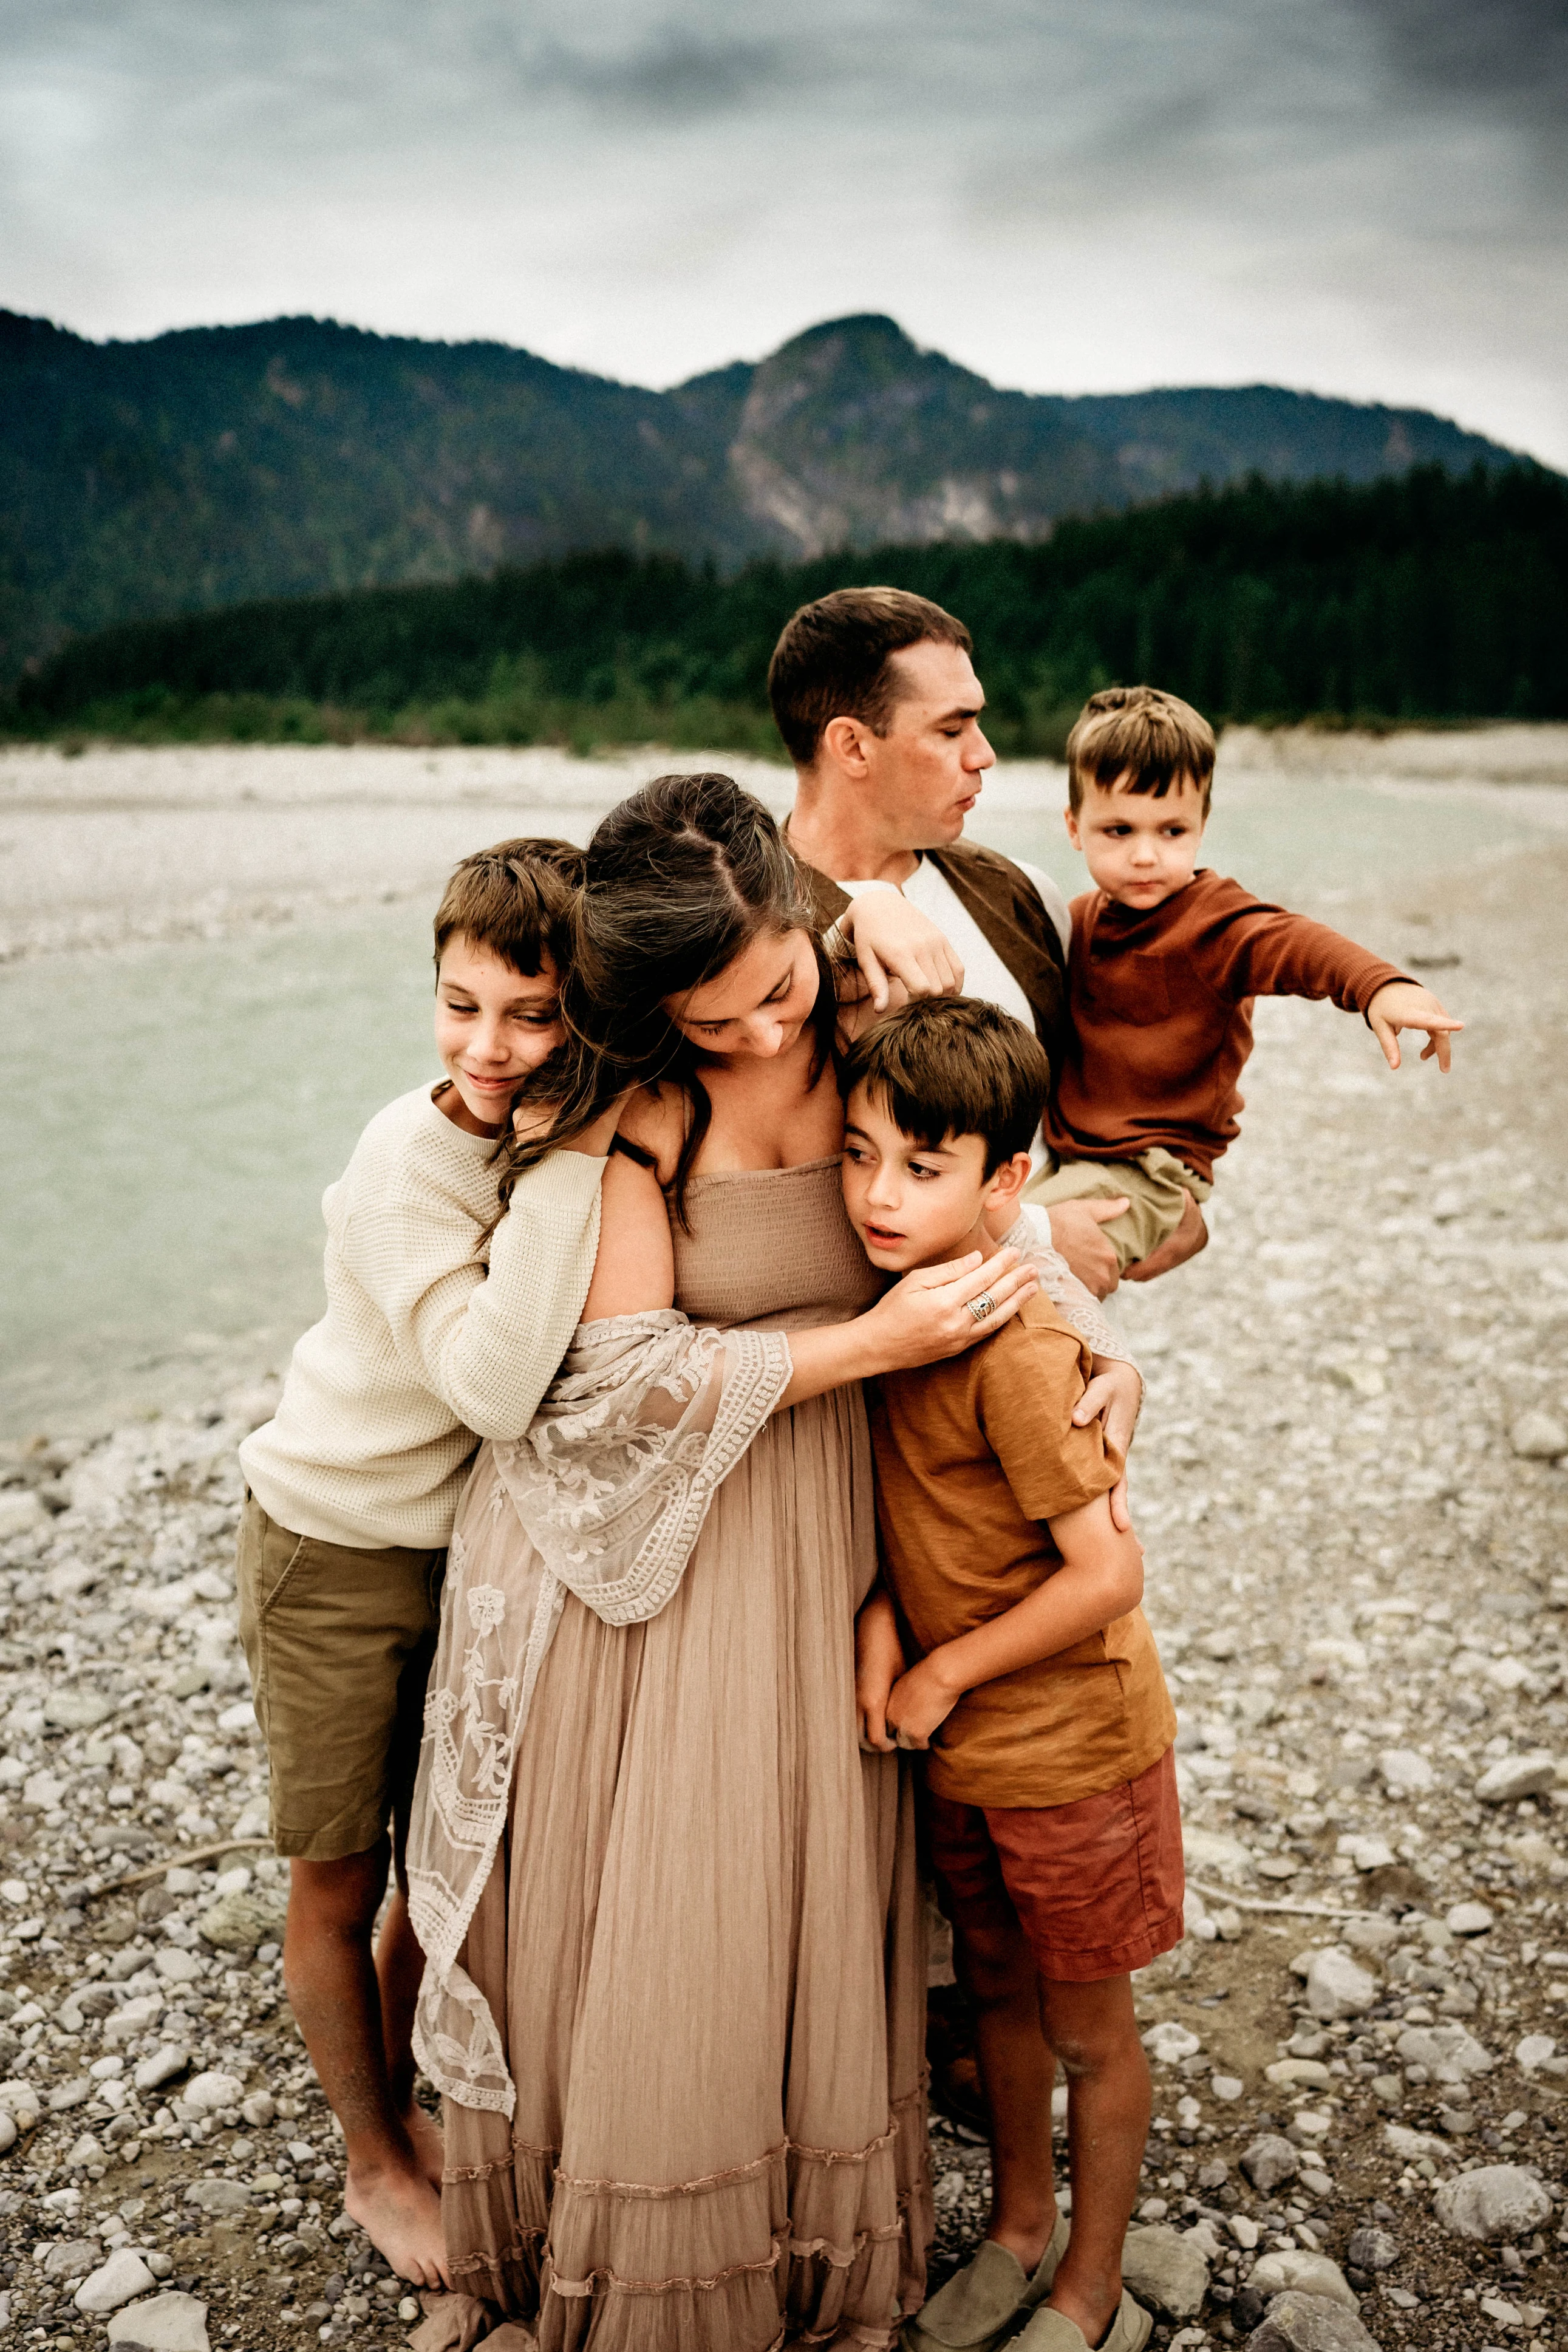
176 1105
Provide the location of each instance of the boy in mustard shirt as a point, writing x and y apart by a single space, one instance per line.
1009 1642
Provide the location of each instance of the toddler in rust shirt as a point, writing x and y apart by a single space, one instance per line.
1164 963
1009 1641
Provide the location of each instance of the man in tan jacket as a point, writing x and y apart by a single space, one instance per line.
875 694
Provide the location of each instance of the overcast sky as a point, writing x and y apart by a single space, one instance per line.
1357 196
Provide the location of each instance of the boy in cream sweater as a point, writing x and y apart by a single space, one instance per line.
424 1348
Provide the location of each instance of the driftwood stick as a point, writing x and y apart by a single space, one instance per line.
178 1861
1256 1902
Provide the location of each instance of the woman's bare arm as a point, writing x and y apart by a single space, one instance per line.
920 1321
635 1270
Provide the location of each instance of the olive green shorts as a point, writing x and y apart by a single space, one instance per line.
339 1643
1156 1183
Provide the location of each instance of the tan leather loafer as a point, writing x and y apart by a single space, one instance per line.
983 2302
1053 2331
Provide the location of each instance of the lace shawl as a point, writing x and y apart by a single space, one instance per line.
605 1496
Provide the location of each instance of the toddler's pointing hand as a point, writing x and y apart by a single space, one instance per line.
1406 1004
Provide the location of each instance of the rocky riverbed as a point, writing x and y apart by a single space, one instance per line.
1353 1484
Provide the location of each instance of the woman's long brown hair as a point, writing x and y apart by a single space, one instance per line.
680 879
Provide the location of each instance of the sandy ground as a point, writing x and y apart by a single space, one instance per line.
1352 1482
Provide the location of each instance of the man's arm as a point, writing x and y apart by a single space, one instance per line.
892 941
1100 1580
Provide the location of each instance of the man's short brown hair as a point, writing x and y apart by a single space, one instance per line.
952 1066
514 900
1153 738
831 661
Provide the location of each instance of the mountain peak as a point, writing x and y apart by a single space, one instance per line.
215 465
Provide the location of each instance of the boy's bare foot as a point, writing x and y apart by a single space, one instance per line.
427 2139
400 2214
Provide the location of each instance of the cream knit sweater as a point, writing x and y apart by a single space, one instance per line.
422 1350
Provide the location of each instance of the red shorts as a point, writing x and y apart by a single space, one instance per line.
1096 1887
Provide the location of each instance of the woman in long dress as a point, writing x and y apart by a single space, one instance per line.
676 1998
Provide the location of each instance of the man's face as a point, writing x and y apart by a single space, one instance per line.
925 772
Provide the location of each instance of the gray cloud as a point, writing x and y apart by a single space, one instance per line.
677 72
1357 196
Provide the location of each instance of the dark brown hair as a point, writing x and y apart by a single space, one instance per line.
831 661
514 900
952 1066
1140 732
679 880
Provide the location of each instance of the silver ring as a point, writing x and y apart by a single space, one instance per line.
982 1306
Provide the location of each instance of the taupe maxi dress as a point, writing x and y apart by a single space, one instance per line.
700 1941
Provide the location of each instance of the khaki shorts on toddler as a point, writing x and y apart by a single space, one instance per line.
1156 1183
339 1643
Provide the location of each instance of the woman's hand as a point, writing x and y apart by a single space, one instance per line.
927 1316
1115 1397
879 1663
920 1701
922 1319
893 939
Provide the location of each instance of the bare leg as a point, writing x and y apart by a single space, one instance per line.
996 1968
399 1966
1190 1237
336 1997
1092 2029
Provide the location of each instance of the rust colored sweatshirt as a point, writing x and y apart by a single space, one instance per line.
1160 1000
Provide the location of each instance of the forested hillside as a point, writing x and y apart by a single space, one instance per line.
220 465
1419 598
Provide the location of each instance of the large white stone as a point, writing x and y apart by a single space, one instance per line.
23 2101
177 1967
1338 1986
1512 1777
1309 2274
1500 2200
1167 2042
20 1513
1210 1851
1310 2072
1405 1773
219 2196
121 2279
1165 2270
1448 2053
161 2067
207 2093
133 2018
167 2322
1297 2322
1538 1437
